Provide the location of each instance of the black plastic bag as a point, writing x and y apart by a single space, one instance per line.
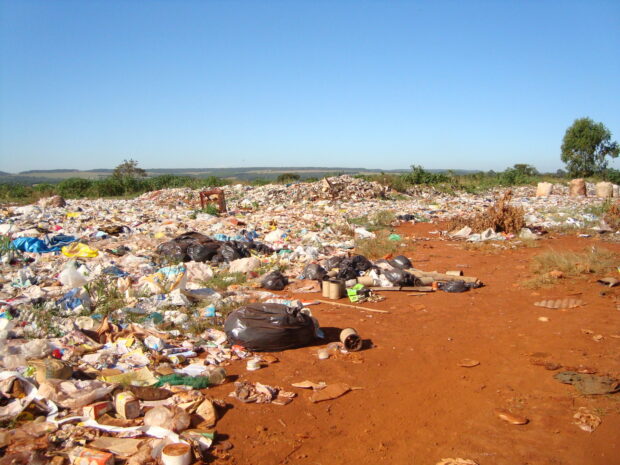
202 252
274 281
201 248
332 262
352 267
242 248
401 262
360 263
454 286
176 249
260 248
399 277
229 253
269 327
313 271
172 251
347 273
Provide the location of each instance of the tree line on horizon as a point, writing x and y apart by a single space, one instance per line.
586 148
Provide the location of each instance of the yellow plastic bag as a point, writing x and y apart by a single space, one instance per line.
77 249
140 377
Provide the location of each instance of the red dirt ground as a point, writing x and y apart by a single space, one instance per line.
417 406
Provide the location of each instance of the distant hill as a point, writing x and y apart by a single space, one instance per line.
241 174
49 171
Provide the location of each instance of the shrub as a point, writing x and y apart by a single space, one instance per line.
419 175
501 217
108 187
285 178
44 189
74 187
12 191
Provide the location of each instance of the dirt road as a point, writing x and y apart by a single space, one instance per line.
417 405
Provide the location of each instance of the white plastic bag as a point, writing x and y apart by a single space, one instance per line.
72 276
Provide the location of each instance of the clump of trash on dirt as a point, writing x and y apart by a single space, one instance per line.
501 217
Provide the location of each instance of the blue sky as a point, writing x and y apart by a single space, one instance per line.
376 84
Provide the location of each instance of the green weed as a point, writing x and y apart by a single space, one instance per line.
221 281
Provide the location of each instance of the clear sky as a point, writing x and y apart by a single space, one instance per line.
378 84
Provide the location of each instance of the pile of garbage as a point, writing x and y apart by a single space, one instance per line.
343 187
118 316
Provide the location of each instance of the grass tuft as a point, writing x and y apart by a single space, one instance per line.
377 247
105 295
221 281
572 265
379 220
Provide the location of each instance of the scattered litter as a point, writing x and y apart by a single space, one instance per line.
309 385
330 392
611 282
560 303
468 363
261 394
586 420
511 418
456 461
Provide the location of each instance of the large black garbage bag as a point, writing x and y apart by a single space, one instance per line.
352 267
274 281
202 252
172 251
347 273
399 277
201 248
455 286
401 262
313 271
242 248
176 249
269 327
360 263
229 252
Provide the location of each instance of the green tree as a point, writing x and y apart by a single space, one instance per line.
525 170
129 169
586 146
128 178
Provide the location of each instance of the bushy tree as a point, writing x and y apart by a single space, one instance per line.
129 169
519 174
586 146
525 170
419 175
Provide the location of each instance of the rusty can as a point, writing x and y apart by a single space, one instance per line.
351 340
